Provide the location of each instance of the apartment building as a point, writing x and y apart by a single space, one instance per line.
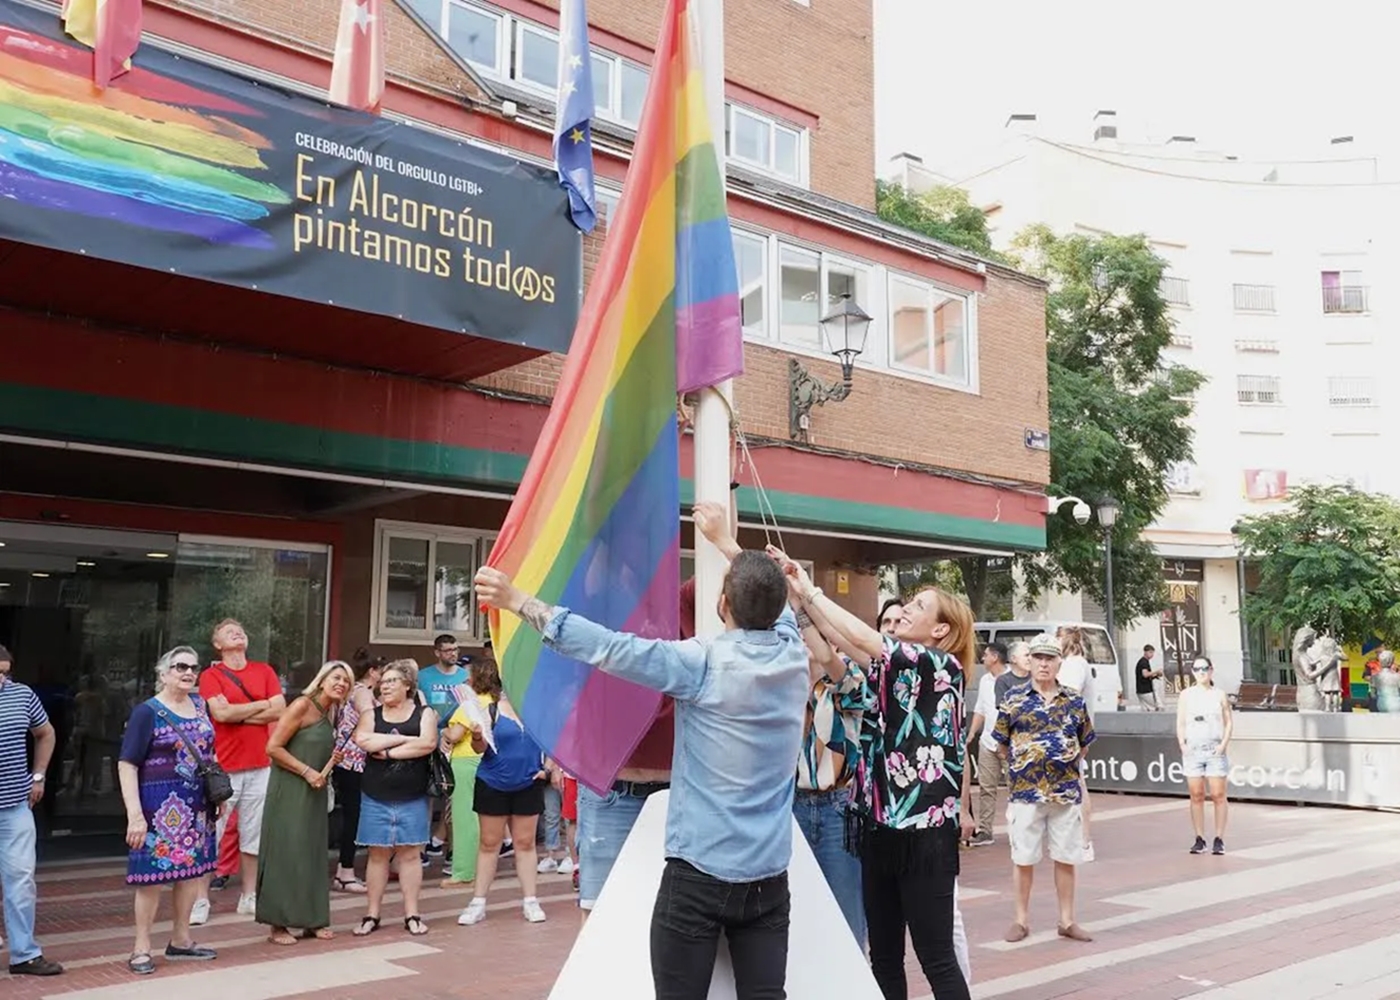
1280 280
270 401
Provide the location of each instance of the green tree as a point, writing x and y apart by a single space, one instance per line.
1118 409
1331 560
943 213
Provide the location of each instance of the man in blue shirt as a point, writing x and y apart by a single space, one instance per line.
740 702
443 683
21 789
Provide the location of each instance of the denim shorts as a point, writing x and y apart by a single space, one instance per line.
604 822
1203 762
393 824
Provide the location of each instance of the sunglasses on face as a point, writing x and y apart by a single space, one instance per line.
184 668
1200 670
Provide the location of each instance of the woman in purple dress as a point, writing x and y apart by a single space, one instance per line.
169 825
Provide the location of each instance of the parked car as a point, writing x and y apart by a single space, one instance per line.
1098 650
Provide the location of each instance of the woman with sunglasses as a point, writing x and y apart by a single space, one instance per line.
169 824
1203 729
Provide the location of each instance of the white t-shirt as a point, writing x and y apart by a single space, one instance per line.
987 708
1076 674
1203 709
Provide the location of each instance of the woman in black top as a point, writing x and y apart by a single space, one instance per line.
397 737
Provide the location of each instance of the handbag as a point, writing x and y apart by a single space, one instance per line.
441 782
218 786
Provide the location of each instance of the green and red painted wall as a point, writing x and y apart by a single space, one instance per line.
63 380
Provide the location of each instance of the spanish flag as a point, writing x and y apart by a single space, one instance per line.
111 28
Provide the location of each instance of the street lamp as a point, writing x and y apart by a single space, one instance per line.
844 330
1108 516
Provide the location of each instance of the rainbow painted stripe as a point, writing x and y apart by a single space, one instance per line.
139 152
595 526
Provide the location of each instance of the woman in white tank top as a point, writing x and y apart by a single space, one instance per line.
1203 729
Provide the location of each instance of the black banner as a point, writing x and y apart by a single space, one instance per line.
189 169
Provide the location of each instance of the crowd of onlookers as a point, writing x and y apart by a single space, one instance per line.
224 776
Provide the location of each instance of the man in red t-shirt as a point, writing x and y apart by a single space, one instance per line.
244 699
604 822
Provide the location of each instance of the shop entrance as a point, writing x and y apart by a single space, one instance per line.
86 612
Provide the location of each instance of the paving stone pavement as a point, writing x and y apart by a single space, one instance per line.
1305 905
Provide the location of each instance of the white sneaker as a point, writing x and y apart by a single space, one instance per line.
199 912
1088 854
248 904
566 867
475 913
533 911
547 866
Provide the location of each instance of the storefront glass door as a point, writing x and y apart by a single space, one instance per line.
87 612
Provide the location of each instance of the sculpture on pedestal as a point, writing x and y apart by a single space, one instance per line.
1317 662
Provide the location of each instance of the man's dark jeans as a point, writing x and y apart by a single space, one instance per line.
692 909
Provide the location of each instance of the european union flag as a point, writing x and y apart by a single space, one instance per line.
573 136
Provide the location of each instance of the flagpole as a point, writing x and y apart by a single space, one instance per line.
712 439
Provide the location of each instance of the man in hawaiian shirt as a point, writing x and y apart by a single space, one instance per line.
1044 730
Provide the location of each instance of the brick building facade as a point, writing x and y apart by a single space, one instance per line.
172 450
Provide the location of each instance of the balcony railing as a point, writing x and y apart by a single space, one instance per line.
1345 299
1254 298
1176 291
1257 346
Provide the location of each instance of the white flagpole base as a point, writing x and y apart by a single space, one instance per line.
612 956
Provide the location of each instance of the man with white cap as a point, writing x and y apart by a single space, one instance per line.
1044 729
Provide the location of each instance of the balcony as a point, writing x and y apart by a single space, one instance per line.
1181 340
1256 346
1346 299
1176 291
1254 298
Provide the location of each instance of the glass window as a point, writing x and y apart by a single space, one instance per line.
846 279
928 329
751 258
911 322
785 153
475 35
452 586
950 336
800 278
751 139
537 59
602 84
634 92
430 11
423 582
406 583
279 594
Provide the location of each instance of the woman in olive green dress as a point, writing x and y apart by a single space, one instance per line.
294 889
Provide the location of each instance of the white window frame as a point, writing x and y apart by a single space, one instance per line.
504 35
775 126
969 331
517 62
766 292
877 348
433 534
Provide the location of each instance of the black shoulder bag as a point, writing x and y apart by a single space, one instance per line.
218 786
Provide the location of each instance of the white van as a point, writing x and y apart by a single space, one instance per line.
1098 650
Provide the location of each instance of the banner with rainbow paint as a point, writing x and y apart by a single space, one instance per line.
189 169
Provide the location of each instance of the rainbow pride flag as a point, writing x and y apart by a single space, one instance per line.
595 525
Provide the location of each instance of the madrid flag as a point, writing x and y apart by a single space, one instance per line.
357 75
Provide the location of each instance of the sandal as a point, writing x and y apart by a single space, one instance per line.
368 925
141 963
282 936
317 934
351 885
415 926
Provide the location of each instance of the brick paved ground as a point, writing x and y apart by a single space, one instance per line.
1309 895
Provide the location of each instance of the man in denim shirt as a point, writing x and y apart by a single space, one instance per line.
740 700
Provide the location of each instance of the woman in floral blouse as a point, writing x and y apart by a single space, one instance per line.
908 776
